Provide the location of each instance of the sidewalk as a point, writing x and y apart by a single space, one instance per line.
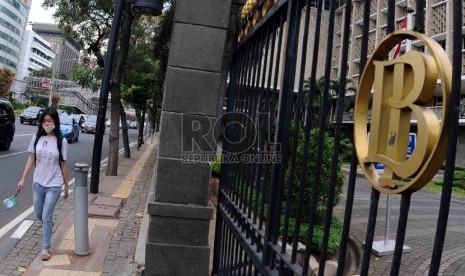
113 240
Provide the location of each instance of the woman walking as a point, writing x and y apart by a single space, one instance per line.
48 153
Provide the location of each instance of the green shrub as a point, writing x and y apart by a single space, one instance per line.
239 186
346 149
325 174
325 179
458 181
216 165
17 105
346 140
317 242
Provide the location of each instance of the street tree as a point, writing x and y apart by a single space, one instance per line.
89 23
317 99
87 77
6 79
161 48
162 38
45 72
141 77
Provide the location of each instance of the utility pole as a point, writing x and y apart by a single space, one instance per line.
51 84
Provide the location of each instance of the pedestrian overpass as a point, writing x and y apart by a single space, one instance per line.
70 93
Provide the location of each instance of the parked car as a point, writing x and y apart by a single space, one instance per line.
7 124
90 124
133 125
69 128
31 115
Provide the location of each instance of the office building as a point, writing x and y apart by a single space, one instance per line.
13 19
36 53
66 49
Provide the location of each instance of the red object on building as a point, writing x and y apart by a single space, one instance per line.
403 26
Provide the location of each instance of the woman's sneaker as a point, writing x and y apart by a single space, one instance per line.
45 255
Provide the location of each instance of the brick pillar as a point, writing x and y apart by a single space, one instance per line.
177 242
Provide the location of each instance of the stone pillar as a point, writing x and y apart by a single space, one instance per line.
177 241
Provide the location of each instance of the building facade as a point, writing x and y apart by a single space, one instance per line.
66 49
438 25
13 19
36 53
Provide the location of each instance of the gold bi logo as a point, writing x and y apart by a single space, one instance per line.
390 92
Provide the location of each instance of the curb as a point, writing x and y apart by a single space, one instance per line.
139 258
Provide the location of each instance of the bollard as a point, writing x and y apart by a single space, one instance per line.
81 229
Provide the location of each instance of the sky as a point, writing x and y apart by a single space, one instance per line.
39 14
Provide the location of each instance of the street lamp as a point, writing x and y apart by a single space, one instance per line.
149 7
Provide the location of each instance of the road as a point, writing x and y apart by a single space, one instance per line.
12 164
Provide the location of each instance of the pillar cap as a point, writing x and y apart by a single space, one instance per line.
84 167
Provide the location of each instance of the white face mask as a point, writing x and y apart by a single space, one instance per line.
48 128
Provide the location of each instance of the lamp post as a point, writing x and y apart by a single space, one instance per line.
150 7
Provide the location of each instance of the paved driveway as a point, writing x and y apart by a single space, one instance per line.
421 229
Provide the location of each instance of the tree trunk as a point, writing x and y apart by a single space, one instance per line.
120 60
112 168
140 139
124 131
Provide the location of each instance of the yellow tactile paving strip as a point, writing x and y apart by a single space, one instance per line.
58 260
125 188
103 222
68 241
61 272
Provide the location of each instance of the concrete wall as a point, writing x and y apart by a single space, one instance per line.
177 242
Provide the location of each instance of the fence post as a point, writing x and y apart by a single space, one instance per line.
81 229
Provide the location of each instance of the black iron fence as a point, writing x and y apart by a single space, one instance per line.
281 167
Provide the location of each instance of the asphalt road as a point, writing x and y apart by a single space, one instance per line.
12 164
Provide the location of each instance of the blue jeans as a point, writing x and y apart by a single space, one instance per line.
45 200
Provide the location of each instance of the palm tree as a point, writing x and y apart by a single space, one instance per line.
334 85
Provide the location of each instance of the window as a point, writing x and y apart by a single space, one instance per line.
326 4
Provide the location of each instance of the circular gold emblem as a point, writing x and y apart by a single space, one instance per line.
392 95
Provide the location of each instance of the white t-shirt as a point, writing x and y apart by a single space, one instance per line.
48 172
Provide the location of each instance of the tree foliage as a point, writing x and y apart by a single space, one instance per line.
45 72
86 76
87 21
141 74
162 38
6 79
317 97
